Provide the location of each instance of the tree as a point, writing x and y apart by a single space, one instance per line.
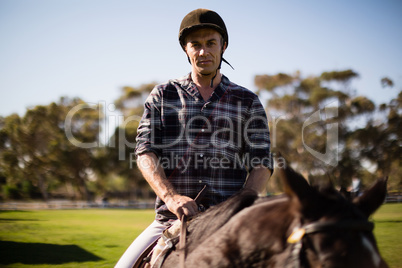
35 148
121 146
313 124
381 141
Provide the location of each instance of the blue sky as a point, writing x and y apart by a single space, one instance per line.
92 48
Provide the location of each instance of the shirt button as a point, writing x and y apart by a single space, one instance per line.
202 130
201 155
200 181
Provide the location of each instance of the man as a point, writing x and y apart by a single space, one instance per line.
199 130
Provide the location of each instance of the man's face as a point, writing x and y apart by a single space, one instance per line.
204 47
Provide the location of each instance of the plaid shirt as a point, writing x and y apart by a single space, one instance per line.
214 143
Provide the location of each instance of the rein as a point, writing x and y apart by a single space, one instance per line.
296 237
183 229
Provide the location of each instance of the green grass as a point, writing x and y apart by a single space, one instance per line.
68 238
98 237
388 231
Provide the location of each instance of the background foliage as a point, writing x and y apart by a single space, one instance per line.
42 153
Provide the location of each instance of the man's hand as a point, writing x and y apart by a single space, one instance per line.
155 176
182 205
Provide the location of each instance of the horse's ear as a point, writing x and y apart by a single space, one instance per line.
372 198
295 185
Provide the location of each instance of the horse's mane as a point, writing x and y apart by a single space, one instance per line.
205 224
247 231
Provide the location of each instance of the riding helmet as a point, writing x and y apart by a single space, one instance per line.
202 18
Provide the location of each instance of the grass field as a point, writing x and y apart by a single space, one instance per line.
98 237
388 231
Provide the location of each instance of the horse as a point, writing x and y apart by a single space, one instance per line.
307 226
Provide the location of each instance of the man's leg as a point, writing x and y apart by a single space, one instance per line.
141 243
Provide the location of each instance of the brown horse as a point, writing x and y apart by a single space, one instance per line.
307 227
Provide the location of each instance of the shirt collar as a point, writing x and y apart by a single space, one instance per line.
188 85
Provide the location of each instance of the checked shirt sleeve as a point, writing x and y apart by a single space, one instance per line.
149 129
258 143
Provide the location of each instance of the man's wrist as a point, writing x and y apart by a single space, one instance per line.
169 196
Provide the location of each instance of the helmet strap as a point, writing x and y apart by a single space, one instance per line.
219 67
216 72
212 80
228 63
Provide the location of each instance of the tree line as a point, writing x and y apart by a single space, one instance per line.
318 123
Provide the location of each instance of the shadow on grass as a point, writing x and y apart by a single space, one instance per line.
40 253
7 220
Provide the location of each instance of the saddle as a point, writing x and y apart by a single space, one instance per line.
155 254
165 244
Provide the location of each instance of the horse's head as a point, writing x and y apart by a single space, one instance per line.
332 231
